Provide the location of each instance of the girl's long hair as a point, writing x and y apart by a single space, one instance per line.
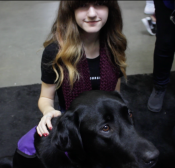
66 33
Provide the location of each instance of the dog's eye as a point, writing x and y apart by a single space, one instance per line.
106 128
130 113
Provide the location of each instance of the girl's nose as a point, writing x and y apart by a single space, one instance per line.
91 11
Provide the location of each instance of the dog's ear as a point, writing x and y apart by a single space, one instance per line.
66 136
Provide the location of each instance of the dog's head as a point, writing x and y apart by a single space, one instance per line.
98 129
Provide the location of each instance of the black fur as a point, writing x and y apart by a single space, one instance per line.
83 132
6 162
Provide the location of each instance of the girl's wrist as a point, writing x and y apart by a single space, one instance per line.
48 111
54 112
57 112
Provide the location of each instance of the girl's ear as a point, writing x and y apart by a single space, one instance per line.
67 136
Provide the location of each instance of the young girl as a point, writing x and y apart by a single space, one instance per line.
85 51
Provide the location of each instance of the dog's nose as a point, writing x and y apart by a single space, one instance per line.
150 157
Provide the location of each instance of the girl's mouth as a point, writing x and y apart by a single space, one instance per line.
92 21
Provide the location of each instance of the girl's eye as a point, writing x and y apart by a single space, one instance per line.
106 128
83 5
98 4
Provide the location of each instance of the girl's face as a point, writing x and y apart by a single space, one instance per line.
91 17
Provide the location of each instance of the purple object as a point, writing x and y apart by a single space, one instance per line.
26 143
66 153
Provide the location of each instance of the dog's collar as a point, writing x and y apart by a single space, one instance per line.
66 153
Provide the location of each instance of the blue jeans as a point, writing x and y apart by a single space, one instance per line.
164 46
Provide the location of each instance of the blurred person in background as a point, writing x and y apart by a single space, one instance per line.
150 21
163 52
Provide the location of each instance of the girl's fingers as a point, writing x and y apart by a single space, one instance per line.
49 116
46 120
43 127
38 131
40 128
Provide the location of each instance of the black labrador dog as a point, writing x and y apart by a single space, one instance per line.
97 131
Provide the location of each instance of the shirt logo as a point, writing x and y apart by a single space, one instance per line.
95 78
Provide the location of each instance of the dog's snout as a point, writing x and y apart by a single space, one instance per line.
150 157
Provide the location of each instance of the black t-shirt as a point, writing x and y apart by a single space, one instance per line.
48 75
94 69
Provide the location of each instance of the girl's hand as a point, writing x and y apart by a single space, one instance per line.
46 120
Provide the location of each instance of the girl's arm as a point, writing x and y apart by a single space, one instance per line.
117 88
46 106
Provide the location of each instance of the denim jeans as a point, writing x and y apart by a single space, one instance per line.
164 46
